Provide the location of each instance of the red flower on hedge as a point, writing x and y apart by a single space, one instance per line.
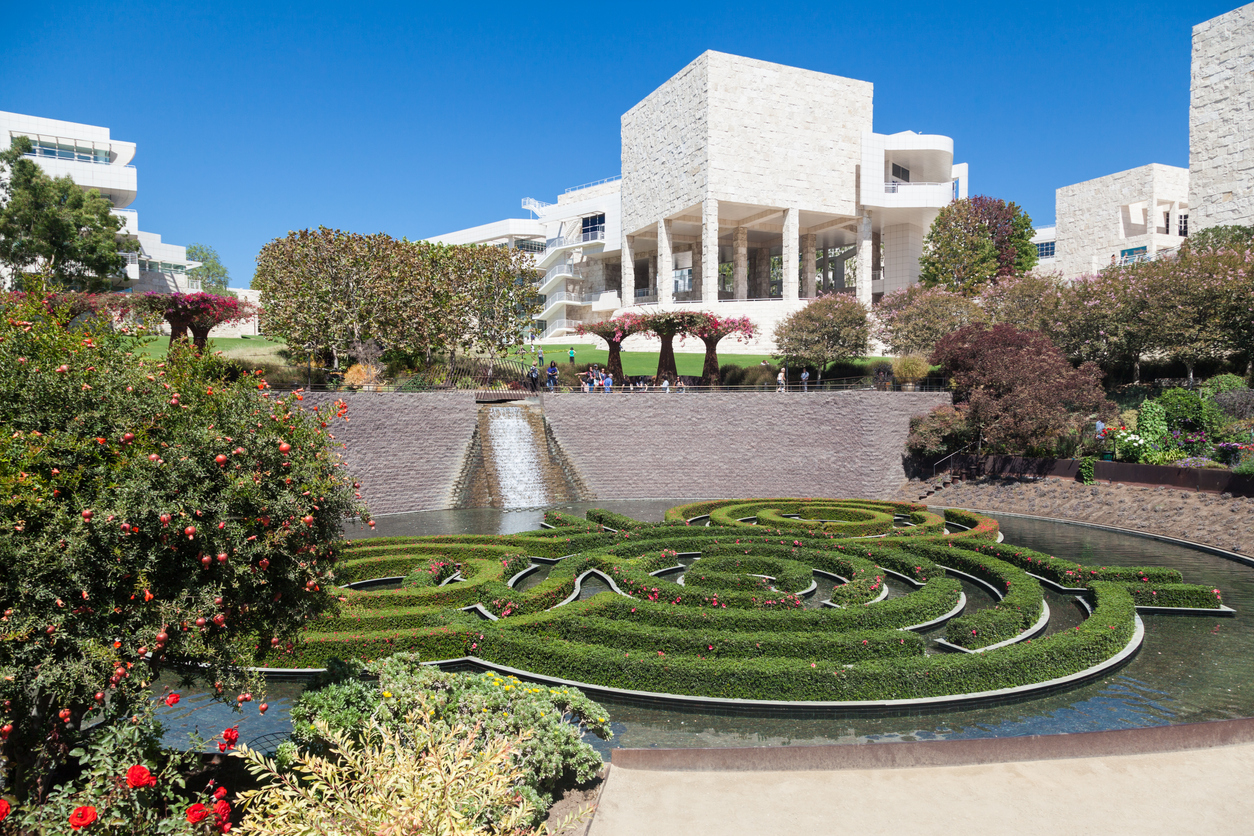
4 809
82 816
172 699
139 776
222 811
197 813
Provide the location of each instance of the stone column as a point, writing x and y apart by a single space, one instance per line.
809 257
652 262
864 258
760 274
790 260
698 275
628 272
1151 218
709 251
740 263
665 264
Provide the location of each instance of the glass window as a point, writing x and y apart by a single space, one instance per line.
901 173
1183 227
1045 249
683 280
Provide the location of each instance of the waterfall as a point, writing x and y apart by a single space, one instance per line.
516 462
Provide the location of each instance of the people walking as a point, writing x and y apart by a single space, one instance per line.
533 378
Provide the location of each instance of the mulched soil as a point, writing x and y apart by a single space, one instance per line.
1214 519
574 802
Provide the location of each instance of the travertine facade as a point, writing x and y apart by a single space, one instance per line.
1221 121
1122 217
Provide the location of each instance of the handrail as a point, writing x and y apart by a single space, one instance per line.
893 188
951 455
566 267
77 158
596 233
593 183
533 205
563 296
567 324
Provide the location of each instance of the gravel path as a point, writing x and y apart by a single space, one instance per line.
1216 520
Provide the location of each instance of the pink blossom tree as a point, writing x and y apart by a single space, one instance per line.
198 313
710 329
613 331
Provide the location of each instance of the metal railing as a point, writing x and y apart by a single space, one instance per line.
1138 258
559 325
566 268
533 205
596 233
563 296
893 188
593 183
73 158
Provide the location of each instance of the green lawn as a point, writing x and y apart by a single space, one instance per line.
258 349
639 363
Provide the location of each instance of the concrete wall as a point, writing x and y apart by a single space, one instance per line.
407 450
1221 121
845 444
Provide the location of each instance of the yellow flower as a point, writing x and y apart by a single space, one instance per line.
387 695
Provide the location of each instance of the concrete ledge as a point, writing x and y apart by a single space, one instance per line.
932 753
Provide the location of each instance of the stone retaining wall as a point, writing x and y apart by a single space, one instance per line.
406 449
724 445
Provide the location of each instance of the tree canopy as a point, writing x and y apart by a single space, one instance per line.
212 273
330 290
831 328
613 331
197 313
53 227
974 241
913 320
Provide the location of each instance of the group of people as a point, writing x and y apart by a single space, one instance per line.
595 379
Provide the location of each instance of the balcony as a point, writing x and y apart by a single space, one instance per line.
562 299
915 195
558 327
586 236
555 275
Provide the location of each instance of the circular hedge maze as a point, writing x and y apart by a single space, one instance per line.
765 599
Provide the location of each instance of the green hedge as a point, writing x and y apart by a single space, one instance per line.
722 633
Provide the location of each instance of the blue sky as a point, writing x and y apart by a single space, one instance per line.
253 119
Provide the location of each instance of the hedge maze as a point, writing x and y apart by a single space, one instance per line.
765 599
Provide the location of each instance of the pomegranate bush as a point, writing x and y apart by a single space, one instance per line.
155 514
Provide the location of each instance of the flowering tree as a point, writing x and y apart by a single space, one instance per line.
198 313
613 331
710 329
832 327
666 325
1021 394
911 321
1028 302
157 514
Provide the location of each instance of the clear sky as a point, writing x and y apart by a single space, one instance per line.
253 119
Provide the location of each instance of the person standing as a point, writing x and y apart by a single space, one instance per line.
666 385
781 380
805 380
608 383
551 375
572 355
540 355
533 378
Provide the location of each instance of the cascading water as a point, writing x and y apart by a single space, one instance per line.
516 464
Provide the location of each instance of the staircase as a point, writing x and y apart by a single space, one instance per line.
931 487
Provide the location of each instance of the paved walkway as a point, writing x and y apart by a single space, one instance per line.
1204 791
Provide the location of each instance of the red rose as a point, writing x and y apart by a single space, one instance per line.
220 793
139 776
231 736
172 699
4 809
82 816
197 813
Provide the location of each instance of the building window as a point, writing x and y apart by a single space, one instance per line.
1045 249
683 280
528 246
901 173
1183 226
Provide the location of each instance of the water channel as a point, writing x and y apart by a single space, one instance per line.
1190 669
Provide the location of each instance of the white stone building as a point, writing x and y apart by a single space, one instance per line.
747 188
1221 120
95 161
1134 215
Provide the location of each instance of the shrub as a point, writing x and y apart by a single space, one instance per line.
361 374
158 513
552 756
942 431
1224 383
1190 412
1237 403
424 779
911 368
